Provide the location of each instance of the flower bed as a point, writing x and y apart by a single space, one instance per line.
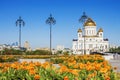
13 58
87 67
35 56
9 58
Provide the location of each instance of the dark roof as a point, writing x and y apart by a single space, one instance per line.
75 39
105 39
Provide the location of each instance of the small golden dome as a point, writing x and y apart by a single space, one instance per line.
100 30
79 30
89 22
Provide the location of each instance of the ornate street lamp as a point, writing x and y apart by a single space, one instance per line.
82 20
20 23
51 21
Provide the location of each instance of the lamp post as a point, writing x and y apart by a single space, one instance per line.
51 21
82 20
20 23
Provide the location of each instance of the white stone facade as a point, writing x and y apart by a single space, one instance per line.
90 40
60 47
27 46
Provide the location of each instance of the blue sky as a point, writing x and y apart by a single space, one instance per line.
106 14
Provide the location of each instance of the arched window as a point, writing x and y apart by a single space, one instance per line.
105 46
79 46
90 39
79 35
100 34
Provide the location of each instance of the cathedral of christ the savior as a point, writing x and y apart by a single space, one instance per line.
89 39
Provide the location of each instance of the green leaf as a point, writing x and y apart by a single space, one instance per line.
28 77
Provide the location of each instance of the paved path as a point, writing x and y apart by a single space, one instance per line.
116 63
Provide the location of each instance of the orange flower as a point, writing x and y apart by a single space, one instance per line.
97 66
0 64
31 72
60 64
37 63
6 64
81 65
89 68
24 63
46 65
103 70
4 69
92 75
76 66
66 78
107 78
14 66
75 72
63 69
37 77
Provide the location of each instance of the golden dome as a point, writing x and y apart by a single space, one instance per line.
89 22
79 30
100 30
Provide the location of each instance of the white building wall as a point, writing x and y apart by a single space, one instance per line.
75 47
94 44
60 47
90 30
100 34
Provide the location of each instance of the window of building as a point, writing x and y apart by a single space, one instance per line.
90 31
90 39
79 35
90 46
75 46
96 45
105 46
79 46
